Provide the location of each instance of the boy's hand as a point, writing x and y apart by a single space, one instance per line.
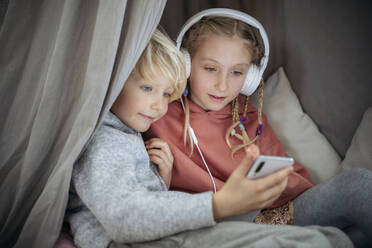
161 155
241 195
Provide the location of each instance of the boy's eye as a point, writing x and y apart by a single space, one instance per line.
146 88
210 69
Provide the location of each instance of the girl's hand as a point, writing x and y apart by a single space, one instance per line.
161 155
240 195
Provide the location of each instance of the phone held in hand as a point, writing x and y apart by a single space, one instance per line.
266 165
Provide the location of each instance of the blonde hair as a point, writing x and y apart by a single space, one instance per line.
227 27
162 56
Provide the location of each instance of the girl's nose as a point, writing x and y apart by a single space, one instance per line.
221 83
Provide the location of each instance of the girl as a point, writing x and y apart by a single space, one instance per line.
227 55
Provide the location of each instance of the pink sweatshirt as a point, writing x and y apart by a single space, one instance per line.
189 173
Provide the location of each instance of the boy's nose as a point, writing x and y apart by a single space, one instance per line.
158 104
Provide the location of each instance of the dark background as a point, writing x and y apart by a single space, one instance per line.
324 47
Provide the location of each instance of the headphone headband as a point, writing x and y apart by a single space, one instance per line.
238 15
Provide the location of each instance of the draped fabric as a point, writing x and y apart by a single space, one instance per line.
62 64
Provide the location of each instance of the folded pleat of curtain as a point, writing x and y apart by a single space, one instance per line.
62 64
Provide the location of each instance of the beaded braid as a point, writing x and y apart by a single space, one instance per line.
238 122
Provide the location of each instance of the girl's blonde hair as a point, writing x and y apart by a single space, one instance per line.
162 57
227 27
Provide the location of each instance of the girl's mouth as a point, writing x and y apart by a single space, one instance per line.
216 98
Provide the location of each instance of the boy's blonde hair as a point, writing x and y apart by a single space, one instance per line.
162 57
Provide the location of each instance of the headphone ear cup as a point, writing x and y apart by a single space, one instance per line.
252 80
187 58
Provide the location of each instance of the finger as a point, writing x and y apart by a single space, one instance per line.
160 154
274 193
273 179
254 151
167 150
245 164
269 196
160 163
154 142
157 143
157 160
151 140
270 201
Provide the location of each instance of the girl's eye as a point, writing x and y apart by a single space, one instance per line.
210 69
237 73
146 88
166 94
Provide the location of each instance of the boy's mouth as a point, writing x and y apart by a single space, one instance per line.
216 98
147 117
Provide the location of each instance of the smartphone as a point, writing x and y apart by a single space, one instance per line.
266 165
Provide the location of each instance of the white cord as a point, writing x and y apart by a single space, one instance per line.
193 136
205 163
183 106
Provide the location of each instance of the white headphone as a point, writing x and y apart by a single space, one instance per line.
254 73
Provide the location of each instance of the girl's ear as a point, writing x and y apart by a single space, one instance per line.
252 80
187 58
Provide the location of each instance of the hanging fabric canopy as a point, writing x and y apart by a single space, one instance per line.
62 64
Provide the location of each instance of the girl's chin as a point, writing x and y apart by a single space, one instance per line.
215 106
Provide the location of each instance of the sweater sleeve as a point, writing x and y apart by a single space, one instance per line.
107 183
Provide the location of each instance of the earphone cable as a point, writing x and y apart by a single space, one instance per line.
206 166
201 154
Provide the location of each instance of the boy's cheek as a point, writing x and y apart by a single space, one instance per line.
164 111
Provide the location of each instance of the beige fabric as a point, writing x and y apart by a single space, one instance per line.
359 154
62 64
296 131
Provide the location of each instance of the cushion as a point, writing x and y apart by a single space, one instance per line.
298 134
359 153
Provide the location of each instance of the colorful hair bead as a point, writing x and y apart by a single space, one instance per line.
185 92
259 130
241 126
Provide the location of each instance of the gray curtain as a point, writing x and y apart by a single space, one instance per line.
62 64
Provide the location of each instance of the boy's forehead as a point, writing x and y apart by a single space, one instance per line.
157 78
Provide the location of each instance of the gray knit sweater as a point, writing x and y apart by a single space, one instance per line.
117 194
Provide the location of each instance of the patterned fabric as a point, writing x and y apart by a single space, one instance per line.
282 215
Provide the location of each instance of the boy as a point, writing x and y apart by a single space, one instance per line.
118 196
